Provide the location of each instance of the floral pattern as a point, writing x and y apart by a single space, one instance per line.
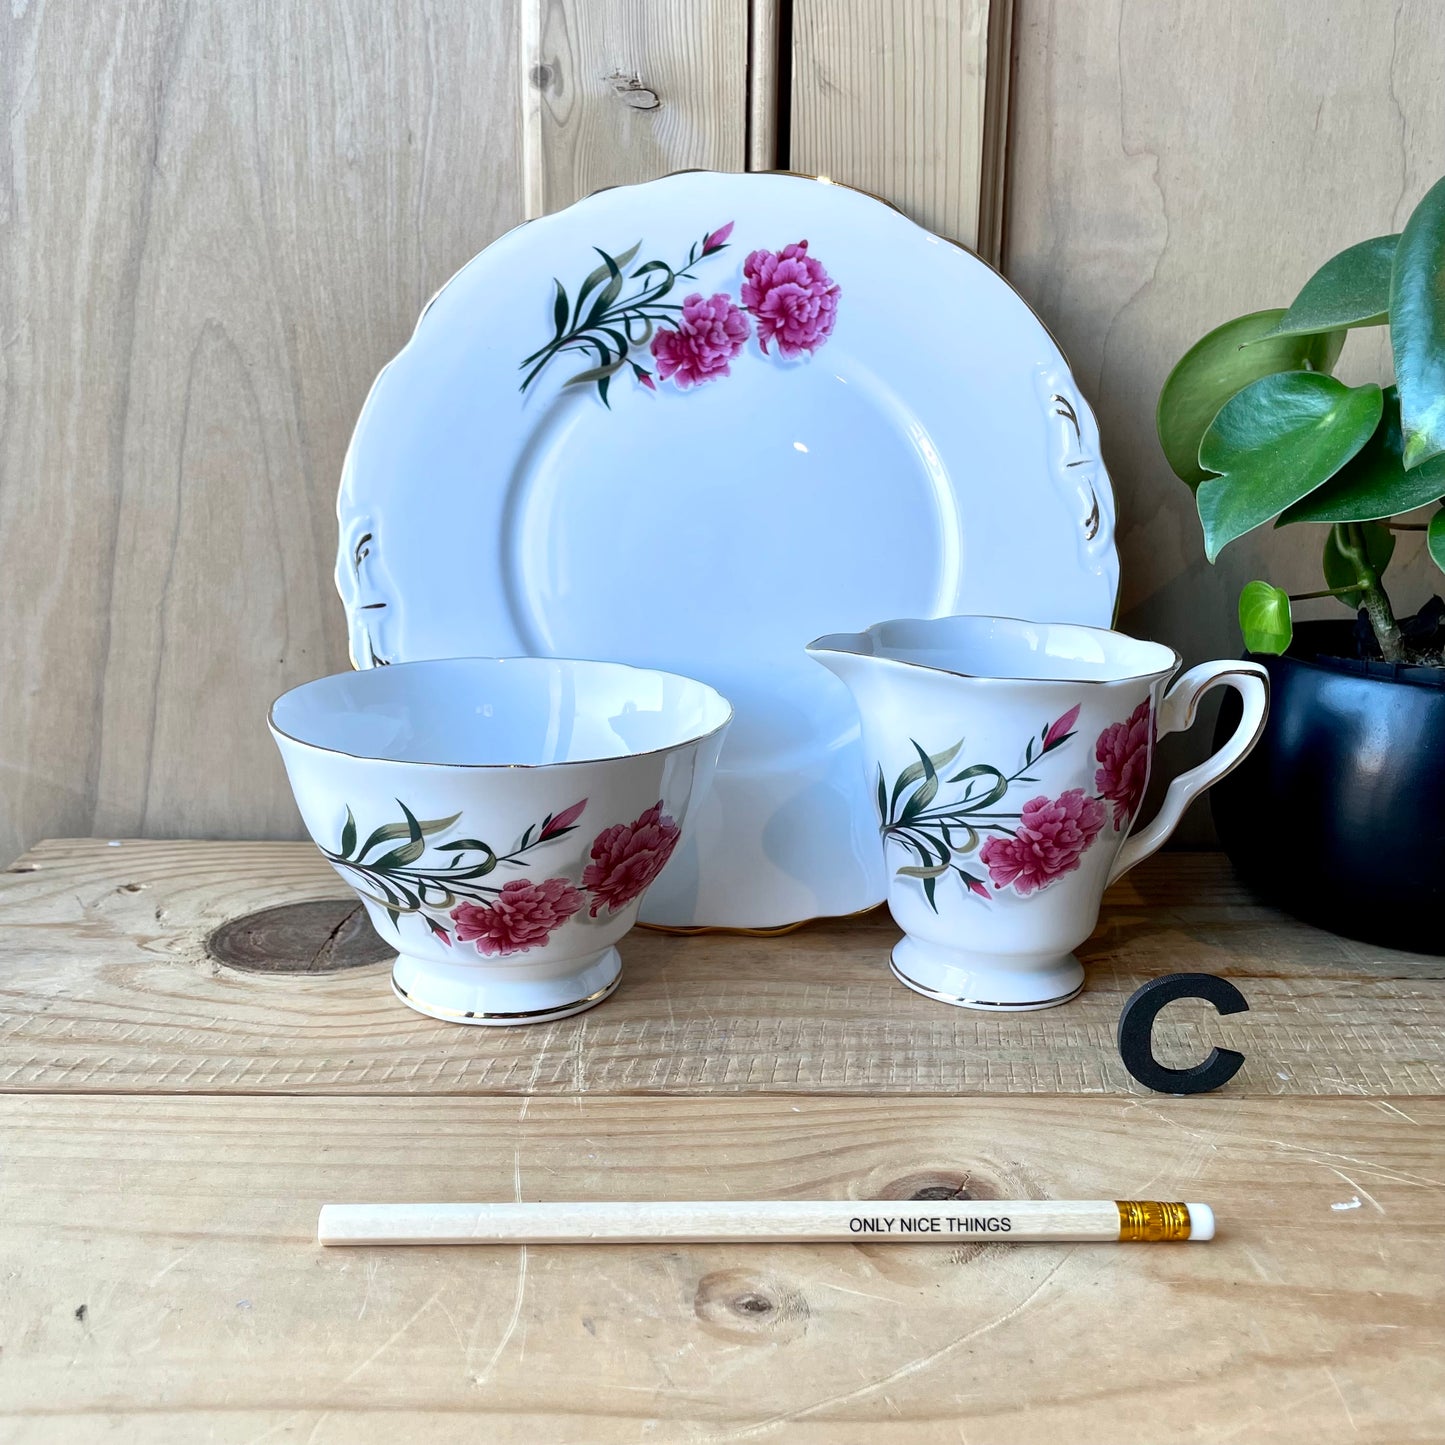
1021 851
627 857
709 335
621 311
1123 755
522 916
423 876
1051 839
792 296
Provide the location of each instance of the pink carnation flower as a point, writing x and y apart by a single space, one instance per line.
522 916
709 334
793 298
627 857
1052 836
1123 754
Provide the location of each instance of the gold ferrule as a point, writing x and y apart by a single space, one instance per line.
1148 1221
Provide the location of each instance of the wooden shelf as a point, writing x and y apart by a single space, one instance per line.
108 985
169 1126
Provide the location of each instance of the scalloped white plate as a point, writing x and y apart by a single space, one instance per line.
923 450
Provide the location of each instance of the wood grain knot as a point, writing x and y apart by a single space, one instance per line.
319 937
747 1307
630 90
941 1184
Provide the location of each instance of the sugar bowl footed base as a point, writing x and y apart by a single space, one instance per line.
538 994
1009 984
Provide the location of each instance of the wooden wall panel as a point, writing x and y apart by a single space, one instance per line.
891 96
1172 165
627 90
217 221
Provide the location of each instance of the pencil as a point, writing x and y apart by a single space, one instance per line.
1020 1221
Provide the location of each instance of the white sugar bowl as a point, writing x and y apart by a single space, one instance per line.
501 818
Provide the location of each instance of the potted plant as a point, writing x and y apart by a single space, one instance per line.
1339 813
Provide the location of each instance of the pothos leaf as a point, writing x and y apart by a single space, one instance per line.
1264 618
1435 538
348 835
1340 571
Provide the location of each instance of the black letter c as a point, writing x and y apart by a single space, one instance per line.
1136 1031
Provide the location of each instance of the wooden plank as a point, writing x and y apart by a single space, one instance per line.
623 91
891 96
162 1282
769 65
220 220
106 984
1172 165
207 255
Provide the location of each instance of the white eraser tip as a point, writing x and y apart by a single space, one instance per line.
1201 1221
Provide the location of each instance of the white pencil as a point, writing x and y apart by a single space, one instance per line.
1022 1221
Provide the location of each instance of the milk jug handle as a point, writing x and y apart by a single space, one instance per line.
1176 713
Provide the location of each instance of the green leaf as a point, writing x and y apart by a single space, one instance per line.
596 373
1264 618
438 825
914 771
613 289
387 833
1351 289
413 828
400 857
459 845
981 770
595 277
559 309
348 835
1435 538
882 796
936 871
1221 364
1417 327
1374 482
926 794
1275 442
395 917
1340 571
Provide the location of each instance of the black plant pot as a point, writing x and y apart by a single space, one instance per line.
1338 815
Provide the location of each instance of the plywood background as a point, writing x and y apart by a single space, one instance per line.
219 218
